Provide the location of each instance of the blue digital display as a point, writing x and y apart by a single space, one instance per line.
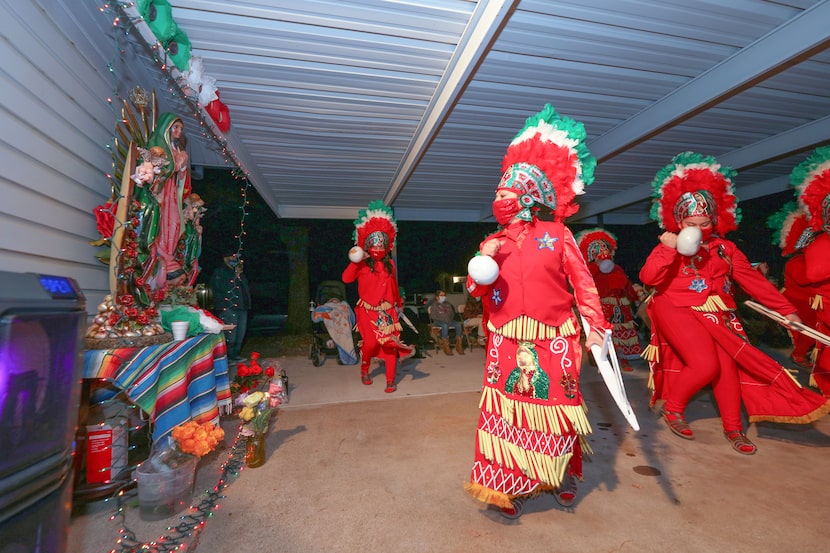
58 287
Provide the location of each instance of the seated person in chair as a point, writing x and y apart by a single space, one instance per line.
442 314
473 316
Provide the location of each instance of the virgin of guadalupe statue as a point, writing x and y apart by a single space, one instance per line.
175 186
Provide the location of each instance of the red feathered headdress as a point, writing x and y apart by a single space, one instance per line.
548 163
591 241
375 226
790 229
811 178
690 185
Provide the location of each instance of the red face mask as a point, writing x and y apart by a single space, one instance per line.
505 210
376 253
705 233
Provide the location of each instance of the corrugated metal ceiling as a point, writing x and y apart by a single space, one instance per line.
335 103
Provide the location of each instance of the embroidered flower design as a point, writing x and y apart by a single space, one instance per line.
698 285
493 372
569 385
497 296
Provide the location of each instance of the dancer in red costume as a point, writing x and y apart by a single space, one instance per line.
530 275
377 287
697 338
792 233
617 294
812 181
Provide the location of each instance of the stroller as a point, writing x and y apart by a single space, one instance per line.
332 326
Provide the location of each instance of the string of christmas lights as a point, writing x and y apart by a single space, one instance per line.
126 17
234 286
186 534
127 23
130 29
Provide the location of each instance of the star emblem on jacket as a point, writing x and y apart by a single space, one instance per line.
698 285
497 297
546 241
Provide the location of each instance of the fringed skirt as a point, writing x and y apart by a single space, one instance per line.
533 420
624 332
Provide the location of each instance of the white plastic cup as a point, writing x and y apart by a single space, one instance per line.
179 329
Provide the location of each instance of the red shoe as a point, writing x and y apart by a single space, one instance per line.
566 493
390 387
802 361
515 511
677 424
365 378
740 442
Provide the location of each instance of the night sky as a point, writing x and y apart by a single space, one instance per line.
426 250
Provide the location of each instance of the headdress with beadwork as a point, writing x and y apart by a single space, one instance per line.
548 163
790 229
375 226
694 184
591 241
811 179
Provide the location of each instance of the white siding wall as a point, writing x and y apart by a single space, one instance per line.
55 124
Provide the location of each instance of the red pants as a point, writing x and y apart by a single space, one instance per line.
374 342
700 361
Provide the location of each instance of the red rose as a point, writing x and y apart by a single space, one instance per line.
131 312
255 355
269 372
142 319
104 219
126 299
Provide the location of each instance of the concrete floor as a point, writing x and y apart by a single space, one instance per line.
351 468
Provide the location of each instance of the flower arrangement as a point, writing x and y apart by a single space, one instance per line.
187 441
258 394
250 375
197 439
256 413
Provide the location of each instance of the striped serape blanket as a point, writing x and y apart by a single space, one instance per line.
172 383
